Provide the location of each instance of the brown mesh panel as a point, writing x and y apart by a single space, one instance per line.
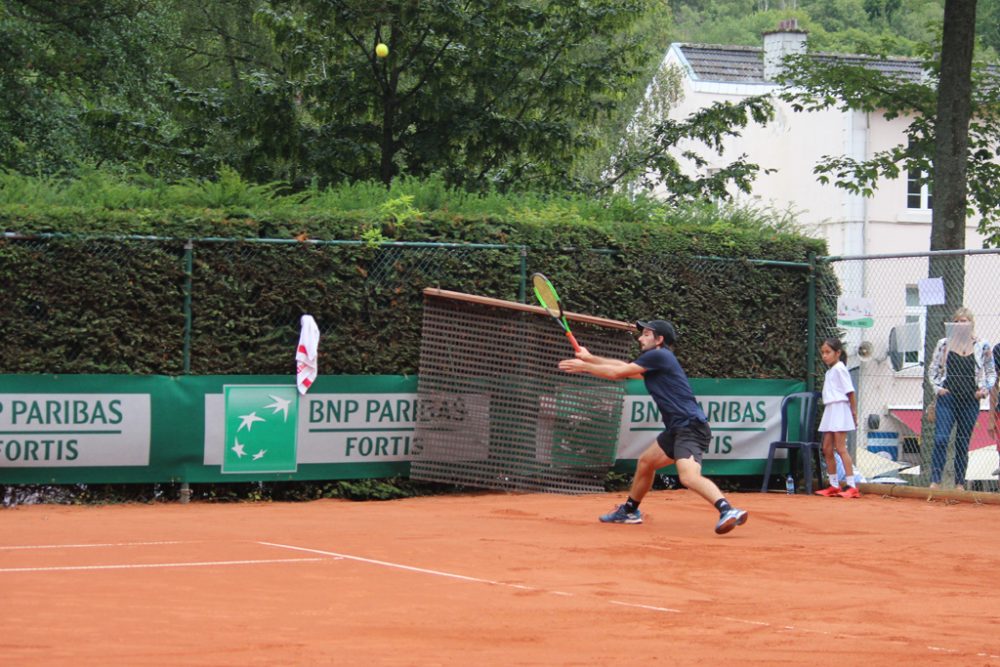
495 410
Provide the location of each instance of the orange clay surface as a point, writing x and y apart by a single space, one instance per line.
502 580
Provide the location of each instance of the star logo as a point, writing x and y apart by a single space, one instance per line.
279 405
248 421
260 437
238 448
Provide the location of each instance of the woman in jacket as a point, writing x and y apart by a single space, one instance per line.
962 373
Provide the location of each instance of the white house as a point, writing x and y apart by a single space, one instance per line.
897 219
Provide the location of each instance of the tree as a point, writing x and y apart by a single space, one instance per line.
881 9
951 155
482 91
954 109
648 158
988 24
487 93
68 70
652 31
226 92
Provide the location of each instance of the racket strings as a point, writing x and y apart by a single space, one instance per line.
547 297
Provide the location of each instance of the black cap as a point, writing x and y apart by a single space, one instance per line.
660 328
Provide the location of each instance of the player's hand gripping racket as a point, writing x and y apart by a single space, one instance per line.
549 299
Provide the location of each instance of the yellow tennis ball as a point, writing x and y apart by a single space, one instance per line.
381 50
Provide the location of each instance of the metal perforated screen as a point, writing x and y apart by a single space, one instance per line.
495 410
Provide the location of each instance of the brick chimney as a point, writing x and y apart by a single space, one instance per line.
788 39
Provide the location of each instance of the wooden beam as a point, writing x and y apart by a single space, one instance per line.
523 307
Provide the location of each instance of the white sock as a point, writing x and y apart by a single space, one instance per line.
833 480
850 480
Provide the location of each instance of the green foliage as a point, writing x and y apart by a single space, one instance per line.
81 304
988 25
75 80
841 26
400 210
483 92
229 190
489 96
649 160
226 205
652 33
105 306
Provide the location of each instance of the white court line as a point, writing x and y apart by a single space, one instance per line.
492 582
644 606
84 546
940 649
398 566
452 575
66 568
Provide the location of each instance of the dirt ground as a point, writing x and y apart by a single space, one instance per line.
502 580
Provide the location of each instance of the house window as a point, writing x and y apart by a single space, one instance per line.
911 344
918 190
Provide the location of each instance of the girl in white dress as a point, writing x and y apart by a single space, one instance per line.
840 415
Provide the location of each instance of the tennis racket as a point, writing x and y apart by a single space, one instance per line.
549 299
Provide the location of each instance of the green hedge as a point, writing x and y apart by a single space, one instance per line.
92 302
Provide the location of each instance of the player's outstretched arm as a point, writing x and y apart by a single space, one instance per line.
610 369
586 355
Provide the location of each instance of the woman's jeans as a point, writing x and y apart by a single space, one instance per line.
962 416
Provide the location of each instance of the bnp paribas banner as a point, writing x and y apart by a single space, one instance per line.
75 429
111 428
745 416
358 419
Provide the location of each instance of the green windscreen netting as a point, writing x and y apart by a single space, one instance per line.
496 412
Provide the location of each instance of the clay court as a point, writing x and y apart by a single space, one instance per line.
502 580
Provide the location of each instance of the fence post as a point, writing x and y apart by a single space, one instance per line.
188 279
811 326
523 289
185 492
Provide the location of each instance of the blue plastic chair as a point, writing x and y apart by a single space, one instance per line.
802 407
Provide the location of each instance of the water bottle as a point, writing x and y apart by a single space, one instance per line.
789 485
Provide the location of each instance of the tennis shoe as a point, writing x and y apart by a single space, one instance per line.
621 515
829 491
730 519
850 492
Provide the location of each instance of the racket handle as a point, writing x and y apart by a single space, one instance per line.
572 340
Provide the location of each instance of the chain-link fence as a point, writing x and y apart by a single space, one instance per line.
145 305
142 305
894 316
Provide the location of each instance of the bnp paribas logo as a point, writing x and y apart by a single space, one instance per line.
260 428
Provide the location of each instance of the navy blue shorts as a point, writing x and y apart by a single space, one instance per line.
687 441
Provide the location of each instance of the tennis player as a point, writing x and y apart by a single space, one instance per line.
687 433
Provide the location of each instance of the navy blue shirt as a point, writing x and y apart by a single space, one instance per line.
667 383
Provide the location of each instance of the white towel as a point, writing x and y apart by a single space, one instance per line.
306 368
